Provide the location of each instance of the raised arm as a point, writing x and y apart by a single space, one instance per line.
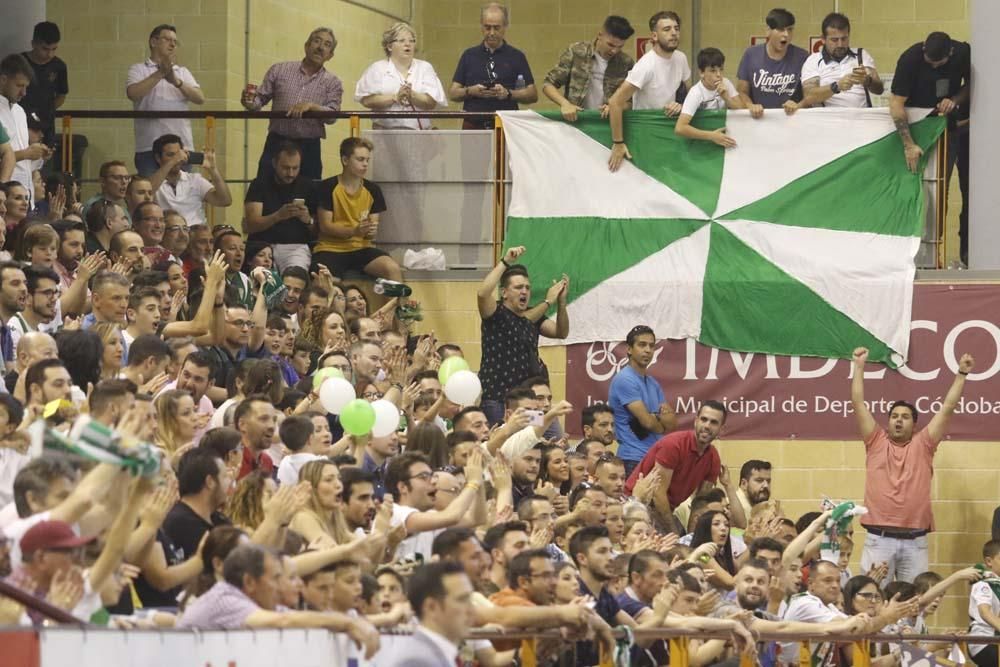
798 545
939 423
560 328
486 295
866 423
219 195
201 325
419 522
114 546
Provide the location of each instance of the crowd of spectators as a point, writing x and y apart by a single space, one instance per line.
128 324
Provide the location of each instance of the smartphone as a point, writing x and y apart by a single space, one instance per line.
535 417
299 202
196 158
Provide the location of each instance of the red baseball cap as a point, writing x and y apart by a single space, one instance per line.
51 535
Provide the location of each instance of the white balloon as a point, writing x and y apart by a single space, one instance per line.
463 388
335 393
386 418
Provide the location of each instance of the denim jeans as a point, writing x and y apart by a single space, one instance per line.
906 558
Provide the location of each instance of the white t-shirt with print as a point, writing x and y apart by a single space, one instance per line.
981 593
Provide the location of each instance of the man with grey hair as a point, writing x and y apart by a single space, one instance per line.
492 75
247 597
296 87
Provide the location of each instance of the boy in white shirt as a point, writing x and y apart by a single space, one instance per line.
984 607
712 92
299 434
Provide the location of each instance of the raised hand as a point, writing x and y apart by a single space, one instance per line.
513 253
966 363
474 467
860 356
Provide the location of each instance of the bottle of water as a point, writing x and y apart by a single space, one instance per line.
520 82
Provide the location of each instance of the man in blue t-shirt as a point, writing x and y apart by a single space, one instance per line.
642 415
770 74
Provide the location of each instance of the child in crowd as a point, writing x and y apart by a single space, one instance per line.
984 607
713 91
846 549
297 433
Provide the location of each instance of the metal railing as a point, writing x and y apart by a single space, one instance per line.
938 239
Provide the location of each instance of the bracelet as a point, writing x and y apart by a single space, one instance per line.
618 142
547 303
397 386
963 372
473 485
504 262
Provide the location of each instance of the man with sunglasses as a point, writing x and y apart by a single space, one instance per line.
492 75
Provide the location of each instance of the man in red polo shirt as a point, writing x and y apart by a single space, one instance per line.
899 465
256 420
687 461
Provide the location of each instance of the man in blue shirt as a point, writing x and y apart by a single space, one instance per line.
642 415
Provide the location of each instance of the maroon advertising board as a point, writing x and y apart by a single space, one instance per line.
809 398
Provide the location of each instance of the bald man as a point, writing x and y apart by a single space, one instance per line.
32 347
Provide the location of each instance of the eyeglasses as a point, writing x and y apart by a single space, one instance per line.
548 576
242 324
871 597
49 293
372 395
425 476
174 228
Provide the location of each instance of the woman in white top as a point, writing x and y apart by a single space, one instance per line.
400 82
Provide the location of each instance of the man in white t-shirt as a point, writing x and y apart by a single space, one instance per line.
410 479
712 92
658 81
180 191
837 76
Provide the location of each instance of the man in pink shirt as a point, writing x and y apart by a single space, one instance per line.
899 466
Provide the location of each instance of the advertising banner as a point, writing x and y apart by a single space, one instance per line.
808 398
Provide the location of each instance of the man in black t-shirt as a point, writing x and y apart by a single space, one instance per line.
50 84
935 74
277 209
202 481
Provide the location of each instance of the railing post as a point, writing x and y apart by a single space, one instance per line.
355 126
499 187
679 655
67 144
746 660
210 145
805 654
942 199
529 652
862 655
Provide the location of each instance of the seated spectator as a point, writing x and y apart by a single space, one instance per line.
714 91
348 210
31 348
246 505
104 219
400 82
114 352
180 191
148 356
41 307
277 207
298 435
176 233
114 182
713 528
160 84
139 190
321 522
126 253
71 249
17 205
296 87
175 422
13 299
149 223
203 481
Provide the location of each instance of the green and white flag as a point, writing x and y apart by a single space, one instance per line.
799 241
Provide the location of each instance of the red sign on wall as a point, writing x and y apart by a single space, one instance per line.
642 45
808 398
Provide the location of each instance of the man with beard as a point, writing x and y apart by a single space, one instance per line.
838 76
658 81
180 191
598 423
524 473
378 452
125 248
202 482
13 300
275 209
410 479
243 336
755 485
686 460
72 245
510 330
104 219
40 308
359 498
770 74
256 420
531 581
640 410
609 474
899 466
296 280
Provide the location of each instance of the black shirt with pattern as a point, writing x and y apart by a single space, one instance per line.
510 352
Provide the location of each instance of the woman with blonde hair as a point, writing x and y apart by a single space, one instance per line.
322 522
175 422
400 82
246 506
114 351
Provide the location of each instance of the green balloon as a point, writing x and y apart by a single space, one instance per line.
325 373
450 366
358 417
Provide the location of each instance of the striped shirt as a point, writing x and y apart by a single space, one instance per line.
287 84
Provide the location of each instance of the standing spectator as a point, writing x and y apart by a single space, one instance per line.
770 74
838 76
589 73
183 192
640 410
713 91
348 210
686 460
159 84
297 87
400 82
50 84
114 186
15 75
658 81
936 74
276 210
510 330
899 465
493 75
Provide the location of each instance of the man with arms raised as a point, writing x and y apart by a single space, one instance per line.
899 465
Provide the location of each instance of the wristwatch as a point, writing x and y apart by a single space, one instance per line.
835 87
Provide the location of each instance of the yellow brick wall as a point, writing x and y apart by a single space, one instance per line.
965 490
